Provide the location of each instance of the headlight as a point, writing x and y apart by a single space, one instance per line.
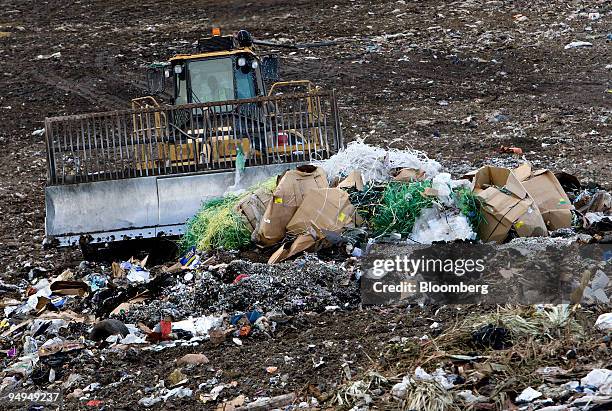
178 69
241 62
254 64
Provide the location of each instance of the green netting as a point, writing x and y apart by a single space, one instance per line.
400 205
218 225
394 207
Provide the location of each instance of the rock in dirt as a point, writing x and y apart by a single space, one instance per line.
176 377
105 328
192 359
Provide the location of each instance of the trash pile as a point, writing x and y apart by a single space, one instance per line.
341 206
313 206
366 194
96 310
242 286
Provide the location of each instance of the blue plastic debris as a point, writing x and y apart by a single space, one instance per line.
251 316
58 302
190 259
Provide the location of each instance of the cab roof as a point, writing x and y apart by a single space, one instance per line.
182 57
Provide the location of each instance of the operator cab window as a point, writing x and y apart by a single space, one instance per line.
211 80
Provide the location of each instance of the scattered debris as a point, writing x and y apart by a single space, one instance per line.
512 150
478 357
106 328
578 44
528 395
597 378
56 55
192 359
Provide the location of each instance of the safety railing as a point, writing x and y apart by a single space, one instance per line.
192 138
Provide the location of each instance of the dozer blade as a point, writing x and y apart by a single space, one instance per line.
143 173
142 207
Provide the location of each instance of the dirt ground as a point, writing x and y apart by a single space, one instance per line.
457 80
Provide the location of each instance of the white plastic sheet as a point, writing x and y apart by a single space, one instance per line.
197 326
434 225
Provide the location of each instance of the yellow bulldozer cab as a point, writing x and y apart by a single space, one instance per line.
217 144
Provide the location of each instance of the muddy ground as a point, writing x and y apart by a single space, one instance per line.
457 80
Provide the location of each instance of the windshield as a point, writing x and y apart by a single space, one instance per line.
211 80
216 80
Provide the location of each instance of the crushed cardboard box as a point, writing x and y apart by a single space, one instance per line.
78 288
53 347
552 201
118 272
301 243
507 205
353 180
286 199
323 210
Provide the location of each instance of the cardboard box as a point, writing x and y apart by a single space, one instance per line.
253 207
507 205
286 199
301 243
78 288
354 179
552 201
408 175
323 211
327 209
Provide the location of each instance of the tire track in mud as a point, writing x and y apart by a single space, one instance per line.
85 89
